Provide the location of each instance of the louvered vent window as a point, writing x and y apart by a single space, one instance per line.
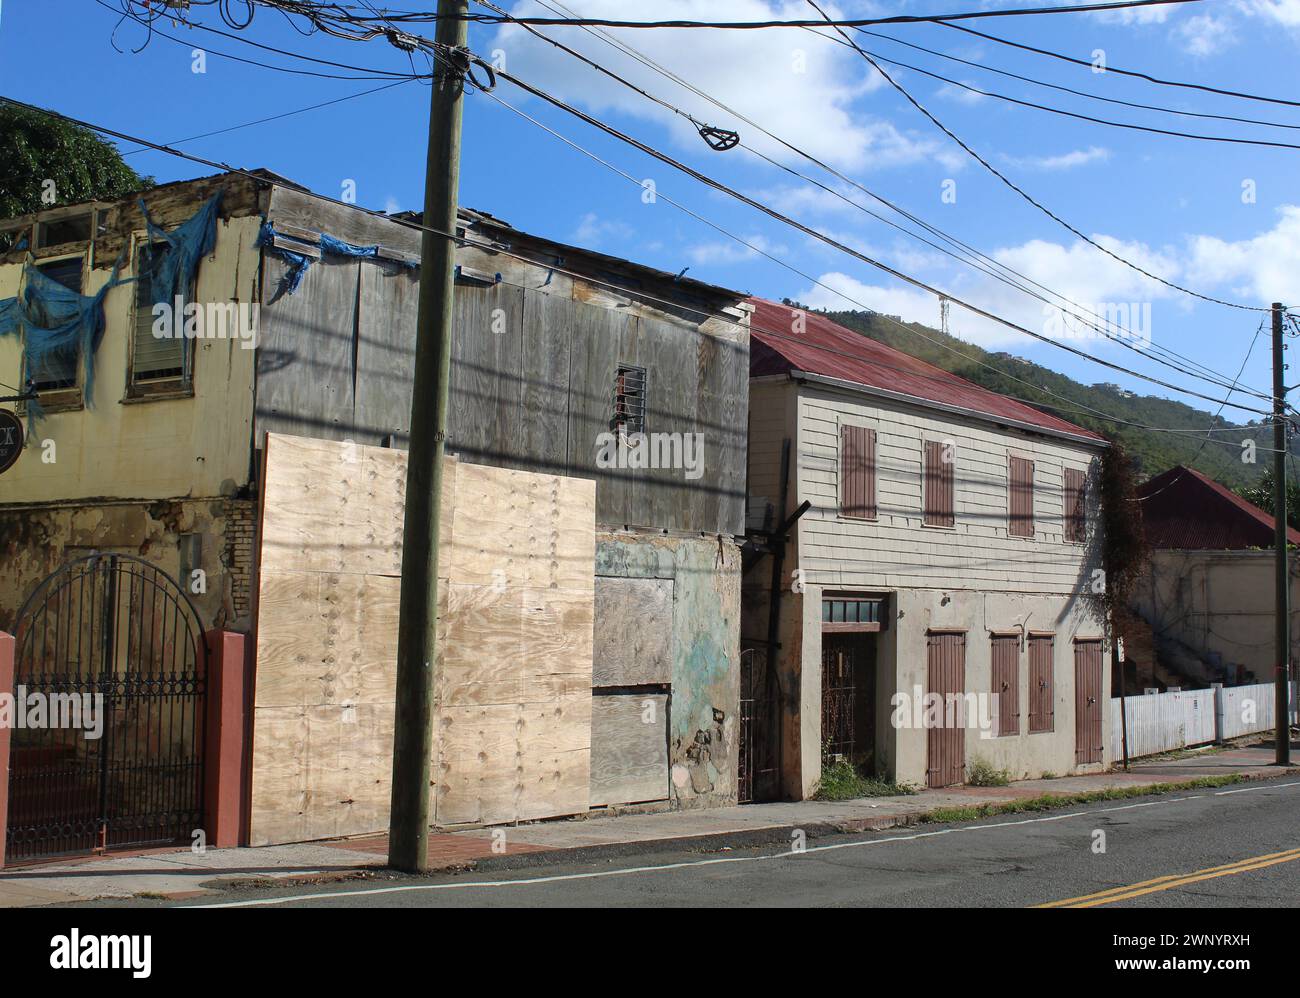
629 400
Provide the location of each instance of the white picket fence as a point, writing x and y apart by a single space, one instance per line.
1162 722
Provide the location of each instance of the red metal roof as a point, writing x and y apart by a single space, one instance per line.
1185 510
828 349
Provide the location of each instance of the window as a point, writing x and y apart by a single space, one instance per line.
629 400
1042 650
1075 498
940 460
71 227
858 472
158 364
854 613
1006 682
1020 497
57 371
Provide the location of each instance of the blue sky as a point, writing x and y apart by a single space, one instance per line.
1172 205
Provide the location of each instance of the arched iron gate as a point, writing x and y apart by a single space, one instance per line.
109 684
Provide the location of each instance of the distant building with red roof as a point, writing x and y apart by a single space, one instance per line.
1186 510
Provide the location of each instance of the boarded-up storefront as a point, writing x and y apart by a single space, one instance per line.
513 712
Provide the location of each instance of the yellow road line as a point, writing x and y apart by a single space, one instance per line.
1173 880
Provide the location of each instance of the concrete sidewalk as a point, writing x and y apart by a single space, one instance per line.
181 873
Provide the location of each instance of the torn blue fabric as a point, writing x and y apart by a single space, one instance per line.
298 263
172 271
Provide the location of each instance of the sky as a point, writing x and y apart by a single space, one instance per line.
1222 219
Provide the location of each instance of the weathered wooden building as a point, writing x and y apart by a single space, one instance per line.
947 550
565 362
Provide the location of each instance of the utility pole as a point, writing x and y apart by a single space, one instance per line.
1282 583
417 629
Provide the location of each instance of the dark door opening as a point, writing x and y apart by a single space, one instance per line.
849 700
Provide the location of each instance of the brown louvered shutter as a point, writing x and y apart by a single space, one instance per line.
1006 682
858 472
1020 497
938 485
1042 648
1074 504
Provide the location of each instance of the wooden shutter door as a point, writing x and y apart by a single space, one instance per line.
946 744
1074 504
938 486
1020 497
1087 702
1006 682
858 472
1042 650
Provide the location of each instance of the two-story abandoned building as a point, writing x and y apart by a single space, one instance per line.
929 605
297 316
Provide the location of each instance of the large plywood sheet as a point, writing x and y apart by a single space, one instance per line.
629 748
513 668
634 637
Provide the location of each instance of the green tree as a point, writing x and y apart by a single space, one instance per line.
1262 496
35 148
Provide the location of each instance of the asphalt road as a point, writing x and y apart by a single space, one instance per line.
1236 847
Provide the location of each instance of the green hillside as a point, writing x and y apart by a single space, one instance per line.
1155 451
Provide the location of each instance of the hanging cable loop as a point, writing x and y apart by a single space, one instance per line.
718 139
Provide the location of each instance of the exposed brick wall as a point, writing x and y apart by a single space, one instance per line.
241 531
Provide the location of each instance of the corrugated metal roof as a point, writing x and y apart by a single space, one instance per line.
825 348
1187 511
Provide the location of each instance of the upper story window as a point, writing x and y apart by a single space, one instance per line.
629 400
858 472
1020 497
160 364
1075 496
79 226
940 464
57 371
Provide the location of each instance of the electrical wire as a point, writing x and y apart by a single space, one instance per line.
1208 373
1019 190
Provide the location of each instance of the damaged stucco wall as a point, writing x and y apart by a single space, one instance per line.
180 536
704 723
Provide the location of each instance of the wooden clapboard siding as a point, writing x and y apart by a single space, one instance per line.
895 550
533 368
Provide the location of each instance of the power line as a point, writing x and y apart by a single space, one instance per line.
1079 93
848 22
1207 373
1019 190
497 248
1127 72
274 117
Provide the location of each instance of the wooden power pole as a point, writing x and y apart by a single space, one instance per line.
1282 582
417 631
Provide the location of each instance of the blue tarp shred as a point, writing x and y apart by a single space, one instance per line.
298 263
56 323
174 267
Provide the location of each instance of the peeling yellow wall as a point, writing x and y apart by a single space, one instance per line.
151 449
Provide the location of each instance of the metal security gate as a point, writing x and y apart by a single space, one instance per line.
758 775
945 742
107 747
1087 702
839 696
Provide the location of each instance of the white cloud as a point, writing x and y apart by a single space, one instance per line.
1205 35
961 95
805 89
1283 12
731 251
391 207
1261 268
593 230
1063 161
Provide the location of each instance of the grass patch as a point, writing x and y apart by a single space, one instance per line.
981 773
1048 802
841 781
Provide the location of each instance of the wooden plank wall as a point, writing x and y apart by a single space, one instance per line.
513 677
534 362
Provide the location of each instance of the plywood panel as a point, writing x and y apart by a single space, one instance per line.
633 637
513 667
629 748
